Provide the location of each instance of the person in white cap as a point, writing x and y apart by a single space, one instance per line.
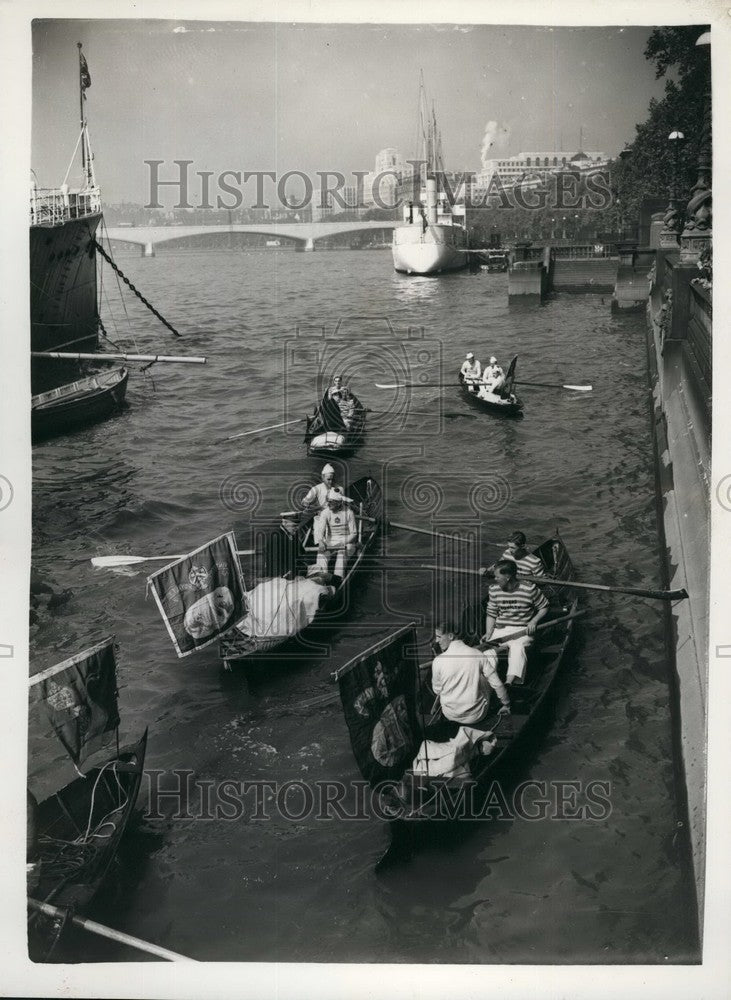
470 370
493 377
339 532
316 500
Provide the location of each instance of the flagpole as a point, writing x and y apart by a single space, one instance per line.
81 113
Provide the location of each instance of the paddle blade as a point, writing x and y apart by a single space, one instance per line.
579 388
109 562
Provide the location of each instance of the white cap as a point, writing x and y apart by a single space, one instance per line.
493 361
470 356
327 470
335 493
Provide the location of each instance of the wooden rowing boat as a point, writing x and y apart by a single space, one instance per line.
405 794
505 402
78 403
328 433
253 637
73 835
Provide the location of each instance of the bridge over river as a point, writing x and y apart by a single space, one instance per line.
304 233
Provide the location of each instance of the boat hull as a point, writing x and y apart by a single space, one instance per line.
324 440
78 404
63 285
512 407
432 250
71 875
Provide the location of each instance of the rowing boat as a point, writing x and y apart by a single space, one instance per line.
74 834
328 432
286 609
411 781
78 403
504 402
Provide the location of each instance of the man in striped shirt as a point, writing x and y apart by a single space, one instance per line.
512 604
527 564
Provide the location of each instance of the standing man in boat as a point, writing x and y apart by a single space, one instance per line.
338 533
513 604
347 407
316 500
283 553
335 386
464 679
471 371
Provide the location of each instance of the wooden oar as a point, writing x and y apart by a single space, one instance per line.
259 430
447 385
655 595
108 932
440 534
555 385
110 562
106 356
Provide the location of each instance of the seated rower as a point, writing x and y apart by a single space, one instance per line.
339 532
493 377
464 678
316 500
513 605
471 371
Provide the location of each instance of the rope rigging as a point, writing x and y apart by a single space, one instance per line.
136 291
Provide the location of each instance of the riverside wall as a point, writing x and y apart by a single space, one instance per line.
679 338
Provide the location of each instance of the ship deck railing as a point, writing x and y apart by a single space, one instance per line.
52 206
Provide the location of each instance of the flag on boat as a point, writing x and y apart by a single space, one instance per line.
378 693
84 74
80 695
202 595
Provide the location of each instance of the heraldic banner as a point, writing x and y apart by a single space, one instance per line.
80 696
378 692
202 595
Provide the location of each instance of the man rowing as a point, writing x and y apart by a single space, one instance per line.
526 563
316 500
493 378
338 534
513 605
470 371
464 679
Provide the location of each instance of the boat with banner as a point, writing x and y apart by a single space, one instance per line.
335 429
433 238
292 604
503 402
74 834
78 403
419 764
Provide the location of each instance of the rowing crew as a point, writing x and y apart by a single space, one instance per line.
491 380
343 398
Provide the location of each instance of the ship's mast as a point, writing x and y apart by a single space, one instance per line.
81 109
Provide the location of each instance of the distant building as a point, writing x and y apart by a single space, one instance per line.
512 170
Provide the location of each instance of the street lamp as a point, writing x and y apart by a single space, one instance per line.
672 223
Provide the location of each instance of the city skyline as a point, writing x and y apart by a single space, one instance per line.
488 84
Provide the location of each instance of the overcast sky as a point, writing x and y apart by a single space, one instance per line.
317 97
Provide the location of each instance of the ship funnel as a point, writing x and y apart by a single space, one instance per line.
431 200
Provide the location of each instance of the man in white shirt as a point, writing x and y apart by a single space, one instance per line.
339 532
471 371
316 499
493 377
464 679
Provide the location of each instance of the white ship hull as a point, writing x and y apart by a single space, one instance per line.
439 247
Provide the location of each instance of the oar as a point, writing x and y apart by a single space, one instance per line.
505 639
259 430
106 356
555 385
108 932
439 534
110 562
655 595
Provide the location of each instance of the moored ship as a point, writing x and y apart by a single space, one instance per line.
431 240
63 280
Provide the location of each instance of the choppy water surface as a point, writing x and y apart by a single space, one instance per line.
157 479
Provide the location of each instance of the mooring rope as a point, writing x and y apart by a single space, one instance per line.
136 291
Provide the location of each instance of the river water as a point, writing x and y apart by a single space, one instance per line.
157 479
